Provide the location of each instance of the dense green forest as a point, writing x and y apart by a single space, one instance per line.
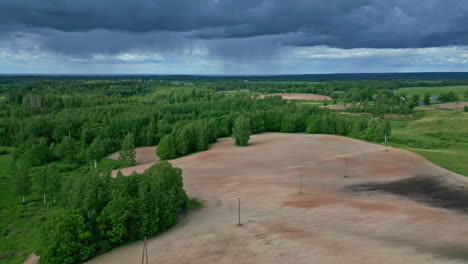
57 132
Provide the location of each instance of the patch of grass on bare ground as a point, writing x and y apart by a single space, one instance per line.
441 136
19 223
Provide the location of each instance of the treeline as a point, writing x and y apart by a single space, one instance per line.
198 135
100 212
382 102
449 97
190 118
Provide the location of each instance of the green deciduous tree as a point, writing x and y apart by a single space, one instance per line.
116 219
427 98
40 182
152 132
127 151
67 149
97 149
66 239
166 148
241 131
22 181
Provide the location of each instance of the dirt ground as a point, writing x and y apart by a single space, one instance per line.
298 96
145 158
143 155
32 259
451 106
334 220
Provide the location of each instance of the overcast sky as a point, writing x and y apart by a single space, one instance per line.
232 37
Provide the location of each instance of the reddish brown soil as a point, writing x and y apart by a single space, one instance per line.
144 156
326 224
453 106
297 96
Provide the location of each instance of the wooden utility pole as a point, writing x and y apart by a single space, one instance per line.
145 252
386 146
239 224
301 184
346 169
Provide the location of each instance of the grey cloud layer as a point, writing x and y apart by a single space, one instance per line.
229 29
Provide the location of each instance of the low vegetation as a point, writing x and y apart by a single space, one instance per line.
440 136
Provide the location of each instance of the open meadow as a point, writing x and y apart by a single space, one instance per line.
438 135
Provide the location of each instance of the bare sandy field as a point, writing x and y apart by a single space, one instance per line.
298 96
364 218
146 155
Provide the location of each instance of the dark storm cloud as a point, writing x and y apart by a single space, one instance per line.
237 28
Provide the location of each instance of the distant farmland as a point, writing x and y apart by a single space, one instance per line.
435 91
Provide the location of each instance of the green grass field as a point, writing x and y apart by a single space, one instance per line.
19 224
441 136
434 91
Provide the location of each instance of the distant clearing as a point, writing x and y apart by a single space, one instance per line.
434 91
451 106
143 155
299 96
359 219
336 107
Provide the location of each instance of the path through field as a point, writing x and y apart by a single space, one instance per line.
299 96
378 214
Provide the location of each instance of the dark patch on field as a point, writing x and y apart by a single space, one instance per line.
455 252
449 251
429 190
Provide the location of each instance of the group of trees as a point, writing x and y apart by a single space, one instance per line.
198 135
101 212
378 102
448 97
241 131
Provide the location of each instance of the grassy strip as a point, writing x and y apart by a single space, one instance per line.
19 223
434 91
441 136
